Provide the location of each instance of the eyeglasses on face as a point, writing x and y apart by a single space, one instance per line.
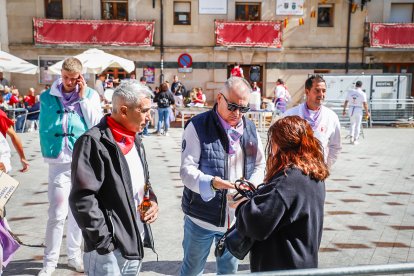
233 107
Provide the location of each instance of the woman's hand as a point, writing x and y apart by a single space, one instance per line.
235 204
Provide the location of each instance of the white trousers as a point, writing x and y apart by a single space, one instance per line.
355 116
58 194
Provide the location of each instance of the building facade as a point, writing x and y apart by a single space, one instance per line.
313 38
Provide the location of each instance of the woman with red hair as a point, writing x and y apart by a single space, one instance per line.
285 217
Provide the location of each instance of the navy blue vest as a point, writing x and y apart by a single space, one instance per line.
214 161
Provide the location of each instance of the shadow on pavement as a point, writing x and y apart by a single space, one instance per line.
173 267
23 267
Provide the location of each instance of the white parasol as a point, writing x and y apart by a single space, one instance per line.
96 61
13 64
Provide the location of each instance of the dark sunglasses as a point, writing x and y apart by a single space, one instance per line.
234 107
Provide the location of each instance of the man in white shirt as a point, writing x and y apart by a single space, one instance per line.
356 99
324 122
281 96
99 86
219 146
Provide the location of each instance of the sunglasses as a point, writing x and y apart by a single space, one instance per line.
234 107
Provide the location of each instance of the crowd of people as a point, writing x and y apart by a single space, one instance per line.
99 176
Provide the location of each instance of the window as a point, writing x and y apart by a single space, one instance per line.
325 15
182 13
53 9
114 10
248 11
401 13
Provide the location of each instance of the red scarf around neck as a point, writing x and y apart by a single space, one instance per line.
123 137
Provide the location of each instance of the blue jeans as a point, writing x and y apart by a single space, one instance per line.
19 123
197 243
163 116
111 264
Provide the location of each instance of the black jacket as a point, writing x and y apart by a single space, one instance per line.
164 99
101 198
177 88
285 219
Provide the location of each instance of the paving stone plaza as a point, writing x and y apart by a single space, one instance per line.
369 208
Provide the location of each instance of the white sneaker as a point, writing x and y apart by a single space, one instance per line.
46 271
166 134
356 142
351 140
76 263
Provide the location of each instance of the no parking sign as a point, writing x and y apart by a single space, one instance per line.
185 61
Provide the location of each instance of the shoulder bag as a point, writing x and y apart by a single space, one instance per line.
237 244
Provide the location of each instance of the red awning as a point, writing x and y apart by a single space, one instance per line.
249 33
392 35
95 32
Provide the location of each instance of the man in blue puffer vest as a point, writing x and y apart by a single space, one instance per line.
218 147
67 110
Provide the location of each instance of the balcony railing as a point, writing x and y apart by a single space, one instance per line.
93 32
248 33
391 35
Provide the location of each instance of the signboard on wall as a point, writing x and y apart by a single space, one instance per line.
45 77
212 6
149 73
289 7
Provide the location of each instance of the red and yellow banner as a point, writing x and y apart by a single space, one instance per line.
93 32
392 35
249 33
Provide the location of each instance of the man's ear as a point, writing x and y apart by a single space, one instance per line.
123 110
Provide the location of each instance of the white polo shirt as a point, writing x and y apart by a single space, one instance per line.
328 131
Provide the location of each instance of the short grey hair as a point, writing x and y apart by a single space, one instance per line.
233 82
130 93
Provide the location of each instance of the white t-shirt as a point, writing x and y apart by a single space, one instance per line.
282 93
356 97
192 177
328 131
5 153
99 87
138 182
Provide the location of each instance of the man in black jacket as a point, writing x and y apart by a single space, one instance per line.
110 177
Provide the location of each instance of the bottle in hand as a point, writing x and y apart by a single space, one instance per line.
145 204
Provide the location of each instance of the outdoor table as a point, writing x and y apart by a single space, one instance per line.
12 112
260 115
190 111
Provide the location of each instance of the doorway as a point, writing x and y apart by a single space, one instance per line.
252 73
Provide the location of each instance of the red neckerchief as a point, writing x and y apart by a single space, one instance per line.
123 137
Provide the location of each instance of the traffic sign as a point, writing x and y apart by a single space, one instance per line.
185 61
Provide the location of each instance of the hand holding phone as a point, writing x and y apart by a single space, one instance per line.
82 86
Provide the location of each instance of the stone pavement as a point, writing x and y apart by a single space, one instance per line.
369 212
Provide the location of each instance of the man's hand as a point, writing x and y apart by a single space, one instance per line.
25 165
2 167
220 184
344 113
152 214
82 86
